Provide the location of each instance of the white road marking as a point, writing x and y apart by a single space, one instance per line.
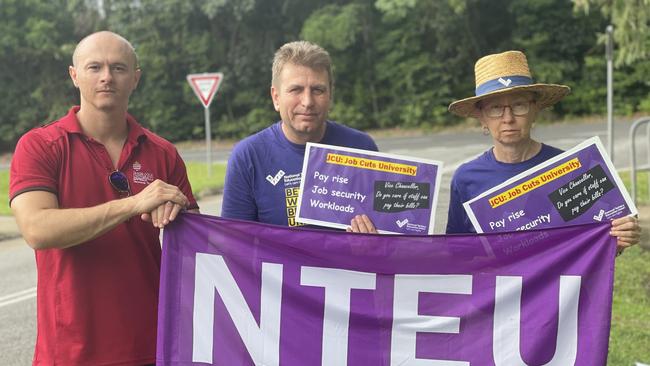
18 297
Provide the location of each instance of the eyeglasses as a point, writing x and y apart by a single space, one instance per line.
119 182
520 108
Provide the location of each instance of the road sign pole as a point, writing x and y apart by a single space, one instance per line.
205 86
208 142
609 54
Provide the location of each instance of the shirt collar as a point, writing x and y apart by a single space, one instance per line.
70 124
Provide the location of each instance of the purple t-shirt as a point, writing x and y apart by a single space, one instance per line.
479 175
264 170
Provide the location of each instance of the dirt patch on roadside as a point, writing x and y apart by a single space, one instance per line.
9 236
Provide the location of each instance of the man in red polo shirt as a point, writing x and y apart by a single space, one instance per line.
90 192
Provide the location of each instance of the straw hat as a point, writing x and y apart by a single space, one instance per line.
503 73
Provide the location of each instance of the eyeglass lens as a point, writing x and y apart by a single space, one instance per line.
517 108
119 181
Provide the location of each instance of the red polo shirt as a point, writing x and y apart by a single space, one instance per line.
96 302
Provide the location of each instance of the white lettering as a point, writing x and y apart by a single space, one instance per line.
337 283
499 223
507 313
263 341
320 176
407 322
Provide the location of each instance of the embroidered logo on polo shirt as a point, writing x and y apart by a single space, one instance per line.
141 177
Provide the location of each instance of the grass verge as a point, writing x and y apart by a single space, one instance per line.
202 185
641 186
630 335
4 193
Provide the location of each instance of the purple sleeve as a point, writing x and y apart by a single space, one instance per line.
457 220
238 200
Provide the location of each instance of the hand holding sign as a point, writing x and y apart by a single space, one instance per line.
361 224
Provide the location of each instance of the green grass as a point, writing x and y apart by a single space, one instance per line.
4 193
196 172
630 335
641 186
201 184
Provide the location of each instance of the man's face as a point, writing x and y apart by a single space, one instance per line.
513 126
105 72
302 97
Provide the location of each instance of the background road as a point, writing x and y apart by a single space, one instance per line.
17 269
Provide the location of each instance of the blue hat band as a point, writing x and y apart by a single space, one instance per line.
503 82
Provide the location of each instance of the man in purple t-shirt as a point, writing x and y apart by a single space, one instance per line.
264 170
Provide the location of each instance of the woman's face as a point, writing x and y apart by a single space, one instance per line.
508 117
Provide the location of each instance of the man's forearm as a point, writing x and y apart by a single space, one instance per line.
63 228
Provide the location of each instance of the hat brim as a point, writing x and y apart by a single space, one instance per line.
545 96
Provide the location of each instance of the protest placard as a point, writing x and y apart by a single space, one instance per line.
576 187
398 193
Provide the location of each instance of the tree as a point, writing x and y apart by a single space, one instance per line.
350 42
36 43
396 62
631 20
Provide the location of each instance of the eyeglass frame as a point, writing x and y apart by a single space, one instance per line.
119 175
503 109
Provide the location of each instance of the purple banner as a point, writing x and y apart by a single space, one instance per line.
577 187
398 193
243 293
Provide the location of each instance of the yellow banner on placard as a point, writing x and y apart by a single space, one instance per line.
371 164
534 183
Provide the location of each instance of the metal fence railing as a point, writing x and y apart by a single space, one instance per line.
633 169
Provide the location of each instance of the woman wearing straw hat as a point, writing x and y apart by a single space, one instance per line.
506 104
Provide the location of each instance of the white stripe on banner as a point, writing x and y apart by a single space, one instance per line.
17 297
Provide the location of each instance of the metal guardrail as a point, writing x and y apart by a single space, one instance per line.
638 123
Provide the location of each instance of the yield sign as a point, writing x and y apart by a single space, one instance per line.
205 86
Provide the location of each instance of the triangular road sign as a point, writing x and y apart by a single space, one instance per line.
205 86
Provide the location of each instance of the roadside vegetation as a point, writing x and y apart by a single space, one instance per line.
202 185
630 334
4 192
397 63
642 188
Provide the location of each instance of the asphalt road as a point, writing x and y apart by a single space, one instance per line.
444 146
17 269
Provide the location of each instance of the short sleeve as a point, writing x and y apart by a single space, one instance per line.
179 178
34 166
457 220
372 146
238 199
